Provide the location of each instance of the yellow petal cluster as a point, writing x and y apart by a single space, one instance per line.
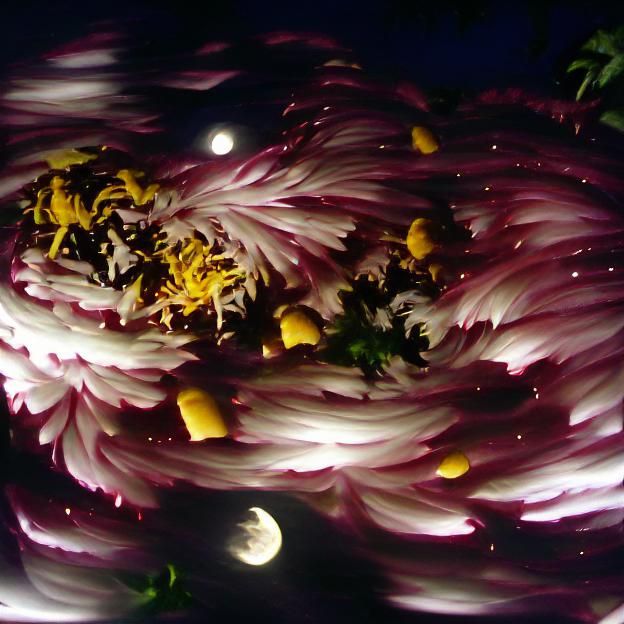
197 278
56 205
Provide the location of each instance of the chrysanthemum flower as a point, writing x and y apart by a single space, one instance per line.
72 562
367 226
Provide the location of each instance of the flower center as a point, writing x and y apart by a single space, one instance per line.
200 277
57 205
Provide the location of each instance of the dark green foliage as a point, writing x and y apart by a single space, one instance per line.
163 592
614 118
354 339
600 68
10 214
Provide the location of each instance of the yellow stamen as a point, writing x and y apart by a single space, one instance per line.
116 191
198 278
434 271
419 240
56 206
63 209
297 328
61 159
453 465
139 195
424 140
39 210
63 205
135 287
201 415
56 243
84 217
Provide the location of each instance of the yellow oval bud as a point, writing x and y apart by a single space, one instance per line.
453 465
419 240
201 415
424 140
297 328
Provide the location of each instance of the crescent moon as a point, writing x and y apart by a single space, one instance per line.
260 539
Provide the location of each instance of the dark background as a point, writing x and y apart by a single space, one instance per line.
469 44
445 46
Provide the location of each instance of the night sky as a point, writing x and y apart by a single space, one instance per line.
451 44
318 578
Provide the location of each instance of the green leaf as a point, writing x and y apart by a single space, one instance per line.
354 341
611 70
589 78
583 63
618 36
161 592
602 42
614 118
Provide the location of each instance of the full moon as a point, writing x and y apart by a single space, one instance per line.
259 540
222 143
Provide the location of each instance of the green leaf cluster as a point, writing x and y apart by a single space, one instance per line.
162 592
601 65
354 339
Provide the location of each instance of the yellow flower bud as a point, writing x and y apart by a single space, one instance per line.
424 140
453 465
297 328
419 240
201 415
